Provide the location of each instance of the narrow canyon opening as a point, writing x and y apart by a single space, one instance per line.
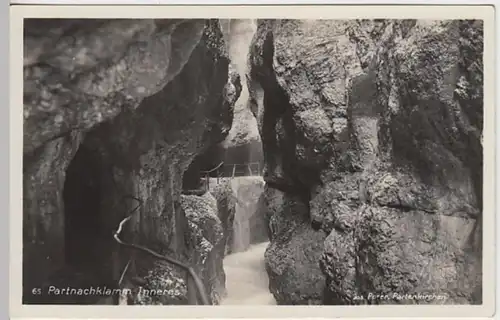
232 171
246 276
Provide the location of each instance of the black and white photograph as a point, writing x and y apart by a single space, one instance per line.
258 162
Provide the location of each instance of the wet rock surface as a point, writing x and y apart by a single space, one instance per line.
140 99
373 127
291 259
204 237
226 206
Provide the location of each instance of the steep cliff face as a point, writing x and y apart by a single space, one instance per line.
115 108
373 129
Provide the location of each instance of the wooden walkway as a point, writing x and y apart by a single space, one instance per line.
231 170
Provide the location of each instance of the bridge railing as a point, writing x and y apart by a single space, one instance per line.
243 169
231 170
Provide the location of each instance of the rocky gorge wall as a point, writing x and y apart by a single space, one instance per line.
115 108
371 132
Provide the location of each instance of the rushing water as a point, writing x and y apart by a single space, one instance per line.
247 191
241 231
246 278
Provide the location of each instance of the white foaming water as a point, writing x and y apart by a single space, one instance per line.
241 230
246 278
246 191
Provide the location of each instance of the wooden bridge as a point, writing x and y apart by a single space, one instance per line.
231 170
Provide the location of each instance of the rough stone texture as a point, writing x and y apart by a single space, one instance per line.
376 126
226 206
110 96
163 278
204 237
208 158
104 65
292 256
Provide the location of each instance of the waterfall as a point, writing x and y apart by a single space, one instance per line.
246 191
246 276
241 230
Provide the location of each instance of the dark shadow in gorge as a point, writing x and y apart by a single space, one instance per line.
89 243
